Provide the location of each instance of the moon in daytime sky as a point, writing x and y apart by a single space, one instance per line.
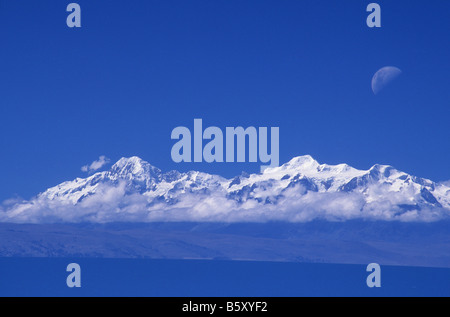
383 77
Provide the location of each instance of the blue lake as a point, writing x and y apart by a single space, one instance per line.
192 278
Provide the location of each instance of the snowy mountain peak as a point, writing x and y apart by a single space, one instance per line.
299 190
134 167
299 164
304 161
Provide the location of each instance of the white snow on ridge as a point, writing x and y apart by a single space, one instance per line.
308 167
300 190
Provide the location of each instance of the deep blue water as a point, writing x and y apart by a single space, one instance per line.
130 277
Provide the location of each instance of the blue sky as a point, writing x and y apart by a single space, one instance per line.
138 69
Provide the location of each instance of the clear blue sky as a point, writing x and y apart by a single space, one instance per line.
137 69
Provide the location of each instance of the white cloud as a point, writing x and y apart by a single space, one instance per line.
102 161
114 203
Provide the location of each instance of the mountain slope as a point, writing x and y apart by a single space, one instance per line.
355 241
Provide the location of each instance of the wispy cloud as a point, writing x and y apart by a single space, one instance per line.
97 164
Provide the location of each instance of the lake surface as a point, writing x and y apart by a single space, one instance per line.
192 278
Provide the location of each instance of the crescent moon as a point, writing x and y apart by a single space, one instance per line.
383 77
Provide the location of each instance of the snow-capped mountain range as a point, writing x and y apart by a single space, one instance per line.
300 190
